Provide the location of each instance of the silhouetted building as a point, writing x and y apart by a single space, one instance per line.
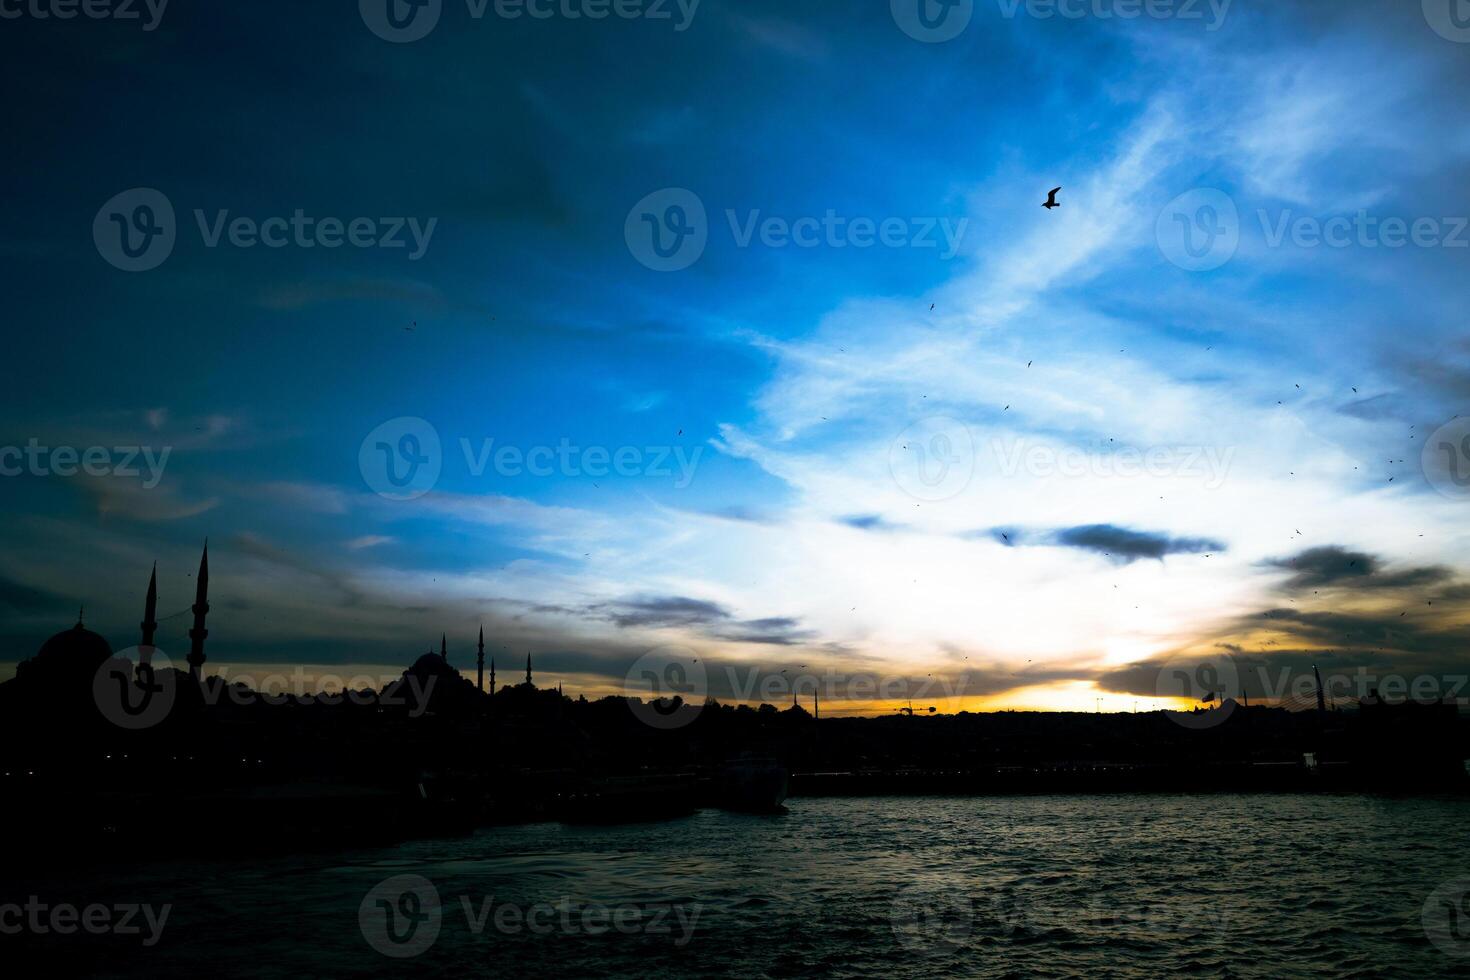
70 657
149 625
201 608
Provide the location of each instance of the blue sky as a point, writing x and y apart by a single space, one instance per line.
793 380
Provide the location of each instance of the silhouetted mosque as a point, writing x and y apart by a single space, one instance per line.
75 655
452 736
70 661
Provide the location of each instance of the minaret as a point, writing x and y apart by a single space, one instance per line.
480 662
443 647
492 675
528 670
816 705
149 625
201 608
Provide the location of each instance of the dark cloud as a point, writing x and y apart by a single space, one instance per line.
1385 406
710 618
1010 537
660 611
775 630
1121 544
747 515
1335 566
17 598
869 522
1125 545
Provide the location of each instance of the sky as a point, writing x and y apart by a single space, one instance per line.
735 333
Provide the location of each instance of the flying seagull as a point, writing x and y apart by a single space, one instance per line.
1051 199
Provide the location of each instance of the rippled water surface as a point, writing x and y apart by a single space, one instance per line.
1039 886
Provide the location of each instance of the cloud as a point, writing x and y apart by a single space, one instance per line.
1121 544
115 496
709 618
1125 545
318 498
1376 408
869 522
1332 565
17 598
664 611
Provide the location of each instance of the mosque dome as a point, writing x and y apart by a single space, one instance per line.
77 651
431 664
77 644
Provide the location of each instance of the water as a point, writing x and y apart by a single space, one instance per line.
1243 886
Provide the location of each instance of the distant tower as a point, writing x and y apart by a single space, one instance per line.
480 662
201 608
558 688
492 675
149 625
528 671
443 647
816 705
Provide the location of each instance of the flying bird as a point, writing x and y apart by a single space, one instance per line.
1051 199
